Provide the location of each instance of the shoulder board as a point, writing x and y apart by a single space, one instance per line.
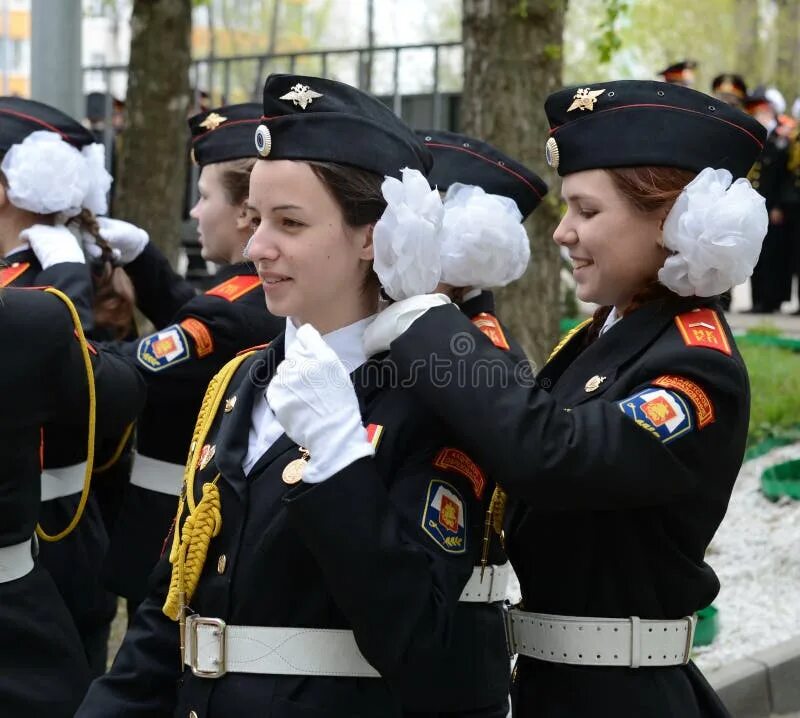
490 326
12 271
252 350
703 328
203 341
235 287
571 333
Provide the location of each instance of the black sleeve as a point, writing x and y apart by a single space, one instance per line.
390 563
593 456
160 290
75 280
142 683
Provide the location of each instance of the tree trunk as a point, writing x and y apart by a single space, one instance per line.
152 165
787 74
749 58
512 61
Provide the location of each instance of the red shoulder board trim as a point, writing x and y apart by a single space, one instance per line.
489 325
374 434
698 397
702 328
458 462
89 346
235 287
10 273
257 347
203 343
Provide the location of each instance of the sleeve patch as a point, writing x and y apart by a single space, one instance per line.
444 517
702 404
235 287
163 349
203 343
12 271
489 325
460 463
662 412
702 328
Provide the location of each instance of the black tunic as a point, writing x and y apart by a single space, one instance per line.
207 332
612 512
352 552
43 670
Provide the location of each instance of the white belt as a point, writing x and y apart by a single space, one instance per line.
493 587
631 642
214 648
15 561
156 475
64 481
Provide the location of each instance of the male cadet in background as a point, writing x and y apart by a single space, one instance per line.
730 88
681 73
771 279
178 360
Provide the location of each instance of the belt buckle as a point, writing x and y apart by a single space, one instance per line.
490 588
219 625
690 628
508 624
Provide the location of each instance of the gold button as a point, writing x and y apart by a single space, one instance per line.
221 563
192 714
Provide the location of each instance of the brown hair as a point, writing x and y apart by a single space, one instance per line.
235 179
114 295
358 194
647 190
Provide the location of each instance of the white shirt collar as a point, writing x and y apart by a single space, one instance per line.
347 342
611 320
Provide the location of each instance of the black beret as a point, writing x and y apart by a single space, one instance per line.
224 133
20 118
630 123
312 118
458 158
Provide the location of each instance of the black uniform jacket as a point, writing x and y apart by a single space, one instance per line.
366 550
177 362
43 669
621 460
160 290
72 278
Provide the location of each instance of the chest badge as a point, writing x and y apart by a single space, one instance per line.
206 454
594 383
293 471
229 404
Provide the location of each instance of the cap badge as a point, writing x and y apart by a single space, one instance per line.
585 99
213 121
301 95
263 140
551 153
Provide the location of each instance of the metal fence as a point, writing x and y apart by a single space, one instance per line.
420 82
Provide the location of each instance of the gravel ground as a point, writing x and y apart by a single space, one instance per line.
756 554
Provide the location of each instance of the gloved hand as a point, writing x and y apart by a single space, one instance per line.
396 319
314 400
127 239
53 245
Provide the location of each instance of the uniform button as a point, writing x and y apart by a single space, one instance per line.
221 563
192 714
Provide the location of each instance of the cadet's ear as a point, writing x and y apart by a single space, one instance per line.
367 248
243 217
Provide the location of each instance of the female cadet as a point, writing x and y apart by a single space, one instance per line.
193 341
53 178
310 597
51 382
620 462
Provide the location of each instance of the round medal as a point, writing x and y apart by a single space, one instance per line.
293 471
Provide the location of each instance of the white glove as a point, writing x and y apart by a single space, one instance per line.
128 239
314 400
53 245
396 319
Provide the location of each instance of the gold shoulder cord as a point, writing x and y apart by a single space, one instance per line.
118 451
204 522
87 481
495 514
